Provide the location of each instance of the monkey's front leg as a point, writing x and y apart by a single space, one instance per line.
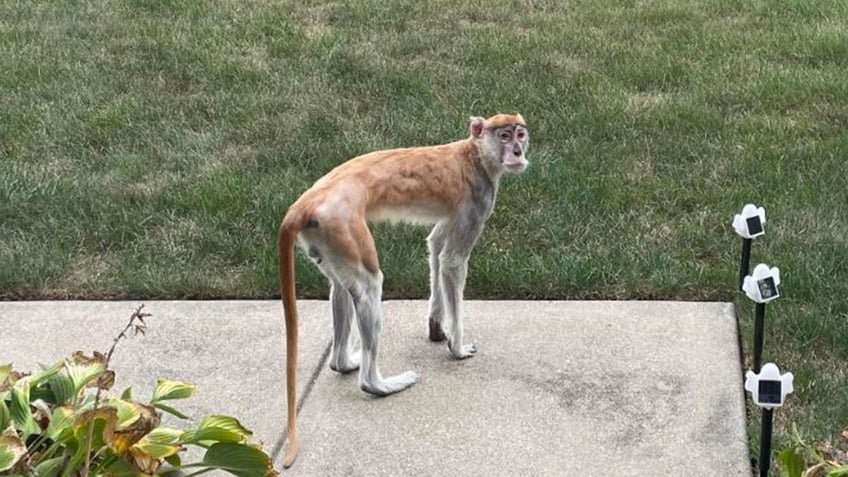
435 244
454 269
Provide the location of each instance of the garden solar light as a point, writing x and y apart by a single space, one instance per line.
751 222
761 286
768 389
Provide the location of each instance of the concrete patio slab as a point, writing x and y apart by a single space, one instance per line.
556 388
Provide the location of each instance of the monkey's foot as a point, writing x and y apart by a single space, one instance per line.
391 385
437 334
462 352
346 363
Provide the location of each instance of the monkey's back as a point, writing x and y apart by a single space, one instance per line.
419 184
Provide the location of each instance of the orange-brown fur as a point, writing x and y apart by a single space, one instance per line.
430 180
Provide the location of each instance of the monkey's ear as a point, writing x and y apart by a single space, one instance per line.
476 126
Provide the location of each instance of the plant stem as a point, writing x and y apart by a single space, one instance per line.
90 436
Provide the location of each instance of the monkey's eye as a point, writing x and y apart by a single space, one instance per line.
521 135
505 136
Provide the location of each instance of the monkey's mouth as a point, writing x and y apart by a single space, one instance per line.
516 167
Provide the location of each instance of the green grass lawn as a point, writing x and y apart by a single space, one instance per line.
148 149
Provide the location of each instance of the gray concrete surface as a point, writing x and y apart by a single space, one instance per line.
557 388
234 351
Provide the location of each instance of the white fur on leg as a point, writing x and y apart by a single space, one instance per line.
366 294
436 311
454 271
343 359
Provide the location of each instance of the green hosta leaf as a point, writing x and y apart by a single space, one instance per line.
127 394
158 444
102 419
122 468
45 374
5 371
217 429
62 421
225 422
157 451
5 417
20 410
174 460
50 467
166 390
791 464
210 435
239 459
841 471
87 402
82 369
62 387
169 410
12 448
128 412
163 435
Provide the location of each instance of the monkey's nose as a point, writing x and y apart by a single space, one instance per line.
517 150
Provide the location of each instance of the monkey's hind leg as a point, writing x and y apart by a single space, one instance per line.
313 242
343 359
351 259
366 300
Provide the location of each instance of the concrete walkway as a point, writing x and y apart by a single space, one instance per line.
556 388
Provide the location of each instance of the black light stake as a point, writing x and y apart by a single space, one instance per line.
765 442
761 288
744 261
759 320
768 389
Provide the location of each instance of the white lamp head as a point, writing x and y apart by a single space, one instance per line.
769 388
761 285
751 222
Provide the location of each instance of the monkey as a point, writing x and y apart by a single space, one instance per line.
450 186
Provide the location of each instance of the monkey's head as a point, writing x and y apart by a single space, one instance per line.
502 141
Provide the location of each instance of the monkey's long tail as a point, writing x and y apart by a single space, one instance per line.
285 249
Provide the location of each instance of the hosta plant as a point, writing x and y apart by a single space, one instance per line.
62 421
819 459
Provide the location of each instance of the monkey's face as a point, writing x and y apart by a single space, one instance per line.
512 143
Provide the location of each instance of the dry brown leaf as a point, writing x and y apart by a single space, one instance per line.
143 461
105 381
80 358
122 440
817 470
11 379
